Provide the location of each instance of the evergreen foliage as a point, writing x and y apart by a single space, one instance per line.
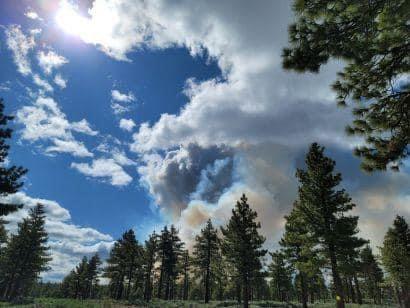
25 256
242 245
396 258
372 39
324 207
10 177
82 282
206 249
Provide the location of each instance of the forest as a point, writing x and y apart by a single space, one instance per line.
321 259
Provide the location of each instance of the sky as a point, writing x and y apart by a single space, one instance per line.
136 114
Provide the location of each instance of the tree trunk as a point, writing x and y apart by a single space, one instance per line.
304 290
207 278
340 300
358 292
245 293
352 291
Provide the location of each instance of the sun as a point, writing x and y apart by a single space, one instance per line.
69 20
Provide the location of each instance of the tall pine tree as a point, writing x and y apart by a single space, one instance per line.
25 256
150 251
396 258
205 250
299 248
242 245
324 209
372 274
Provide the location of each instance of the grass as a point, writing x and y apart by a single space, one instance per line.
72 303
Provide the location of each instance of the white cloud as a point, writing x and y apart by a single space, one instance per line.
32 15
60 81
83 127
68 242
72 147
43 84
105 168
127 124
122 97
44 121
50 60
120 101
35 31
20 45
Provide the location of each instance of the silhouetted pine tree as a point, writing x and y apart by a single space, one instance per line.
9 176
242 245
82 282
185 273
396 258
205 250
150 252
170 250
25 256
372 274
349 263
324 208
281 274
124 265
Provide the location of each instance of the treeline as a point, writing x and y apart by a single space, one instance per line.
320 241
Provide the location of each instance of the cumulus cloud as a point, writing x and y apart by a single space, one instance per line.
68 242
50 60
127 124
122 97
20 45
105 168
244 131
44 121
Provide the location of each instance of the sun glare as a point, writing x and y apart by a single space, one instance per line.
69 20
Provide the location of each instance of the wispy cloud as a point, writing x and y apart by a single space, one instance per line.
20 45
50 60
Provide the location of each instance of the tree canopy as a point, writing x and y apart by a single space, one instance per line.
372 38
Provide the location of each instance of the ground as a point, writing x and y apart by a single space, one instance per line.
70 303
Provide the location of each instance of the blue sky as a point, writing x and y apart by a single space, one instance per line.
133 114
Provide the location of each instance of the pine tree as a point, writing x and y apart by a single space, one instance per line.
242 245
170 251
9 176
396 258
205 250
372 39
124 266
299 248
93 271
185 272
25 256
281 274
372 274
323 209
150 252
